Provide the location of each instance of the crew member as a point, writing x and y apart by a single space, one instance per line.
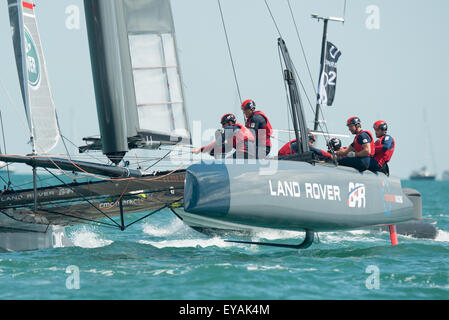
232 135
383 148
358 154
292 148
260 126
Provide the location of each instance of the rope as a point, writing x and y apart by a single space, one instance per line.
84 198
4 143
272 17
26 126
230 51
154 212
302 47
154 164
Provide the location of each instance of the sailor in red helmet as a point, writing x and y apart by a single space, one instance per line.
292 148
260 126
358 154
232 135
383 148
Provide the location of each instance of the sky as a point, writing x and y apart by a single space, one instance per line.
393 68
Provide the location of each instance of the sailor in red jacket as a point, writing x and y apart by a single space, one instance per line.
292 148
260 126
232 135
384 148
358 154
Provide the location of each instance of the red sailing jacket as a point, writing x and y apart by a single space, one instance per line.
359 147
268 129
288 150
381 155
239 140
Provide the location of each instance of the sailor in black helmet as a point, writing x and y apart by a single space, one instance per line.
359 153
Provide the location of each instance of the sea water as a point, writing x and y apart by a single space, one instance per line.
162 258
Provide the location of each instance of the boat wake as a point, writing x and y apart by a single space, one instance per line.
87 238
186 243
278 234
442 236
181 236
175 227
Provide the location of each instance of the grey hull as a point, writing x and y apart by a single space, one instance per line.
296 196
211 227
16 236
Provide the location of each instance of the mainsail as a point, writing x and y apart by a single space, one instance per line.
137 78
37 98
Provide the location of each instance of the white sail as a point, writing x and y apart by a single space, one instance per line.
159 95
136 75
36 92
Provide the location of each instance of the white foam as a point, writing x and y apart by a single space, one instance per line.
442 236
107 273
88 239
272 234
164 231
253 267
194 243
353 236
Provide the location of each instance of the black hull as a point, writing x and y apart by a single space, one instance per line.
78 203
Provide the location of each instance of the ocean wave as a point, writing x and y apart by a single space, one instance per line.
186 243
164 230
442 236
273 234
87 238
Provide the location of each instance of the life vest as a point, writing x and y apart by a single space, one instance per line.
287 149
268 129
239 141
381 156
359 147
241 138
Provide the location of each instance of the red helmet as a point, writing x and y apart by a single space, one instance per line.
382 125
354 120
248 104
227 118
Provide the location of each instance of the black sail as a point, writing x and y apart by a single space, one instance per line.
136 75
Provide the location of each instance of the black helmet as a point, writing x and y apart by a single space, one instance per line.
354 120
311 137
248 104
382 125
334 144
227 118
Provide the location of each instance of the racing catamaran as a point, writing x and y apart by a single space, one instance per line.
299 192
133 48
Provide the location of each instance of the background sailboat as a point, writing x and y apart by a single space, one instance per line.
424 173
445 176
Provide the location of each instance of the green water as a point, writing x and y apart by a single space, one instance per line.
164 259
